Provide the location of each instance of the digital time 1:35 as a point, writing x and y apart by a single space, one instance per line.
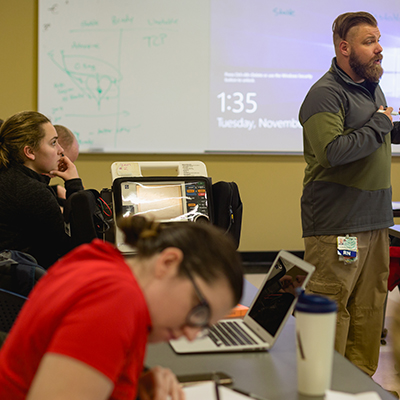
238 102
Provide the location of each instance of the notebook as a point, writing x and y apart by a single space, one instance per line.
266 317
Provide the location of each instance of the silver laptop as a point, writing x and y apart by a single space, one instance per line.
266 316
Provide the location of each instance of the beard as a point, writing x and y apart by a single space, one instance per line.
370 71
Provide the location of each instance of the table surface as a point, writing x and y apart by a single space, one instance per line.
270 375
394 231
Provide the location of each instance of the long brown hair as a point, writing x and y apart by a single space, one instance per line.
20 130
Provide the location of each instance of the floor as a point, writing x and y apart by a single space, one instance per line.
386 375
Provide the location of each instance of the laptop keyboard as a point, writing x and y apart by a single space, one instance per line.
229 333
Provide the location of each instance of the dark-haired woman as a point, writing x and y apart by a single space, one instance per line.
30 217
84 330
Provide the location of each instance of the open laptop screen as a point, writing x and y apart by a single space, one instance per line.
266 317
278 295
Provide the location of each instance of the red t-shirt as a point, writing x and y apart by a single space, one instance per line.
88 307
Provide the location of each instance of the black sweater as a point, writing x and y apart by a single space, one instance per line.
30 217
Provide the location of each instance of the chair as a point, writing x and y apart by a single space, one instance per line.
83 217
19 272
10 306
393 280
228 208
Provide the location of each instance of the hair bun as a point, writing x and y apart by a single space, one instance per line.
148 233
150 229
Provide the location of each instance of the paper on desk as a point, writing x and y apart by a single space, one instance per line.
207 391
332 395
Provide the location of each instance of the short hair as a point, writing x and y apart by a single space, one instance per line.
22 129
344 22
207 252
65 136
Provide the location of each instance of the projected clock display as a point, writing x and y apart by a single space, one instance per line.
238 102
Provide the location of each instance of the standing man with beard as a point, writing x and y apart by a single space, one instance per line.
346 204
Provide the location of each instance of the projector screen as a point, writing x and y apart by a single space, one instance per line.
193 76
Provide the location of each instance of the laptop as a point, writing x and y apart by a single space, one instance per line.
266 316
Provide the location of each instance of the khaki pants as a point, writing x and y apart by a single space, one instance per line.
359 288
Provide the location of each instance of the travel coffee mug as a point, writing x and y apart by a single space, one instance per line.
315 340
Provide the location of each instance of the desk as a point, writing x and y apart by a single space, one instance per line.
395 231
269 374
396 209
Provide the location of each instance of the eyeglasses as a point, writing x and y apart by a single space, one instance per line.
199 316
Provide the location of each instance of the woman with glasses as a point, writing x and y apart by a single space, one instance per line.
84 330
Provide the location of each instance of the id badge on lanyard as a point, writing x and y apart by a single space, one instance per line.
347 248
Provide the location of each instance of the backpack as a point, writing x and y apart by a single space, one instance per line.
19 272
228 208
108 207
84 216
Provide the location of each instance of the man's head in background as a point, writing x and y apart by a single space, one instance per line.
68 142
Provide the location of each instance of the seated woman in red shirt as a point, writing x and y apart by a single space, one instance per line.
83 332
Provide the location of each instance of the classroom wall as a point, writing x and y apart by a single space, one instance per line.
270 185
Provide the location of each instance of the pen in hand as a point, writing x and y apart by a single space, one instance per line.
392 113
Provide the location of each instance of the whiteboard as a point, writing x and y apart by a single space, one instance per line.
192 76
